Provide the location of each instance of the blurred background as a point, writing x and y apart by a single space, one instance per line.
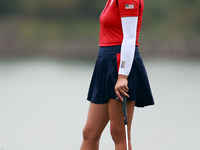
47 54
70 28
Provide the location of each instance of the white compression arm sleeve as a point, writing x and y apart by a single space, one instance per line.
129 27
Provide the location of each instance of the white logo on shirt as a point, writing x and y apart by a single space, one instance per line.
111 2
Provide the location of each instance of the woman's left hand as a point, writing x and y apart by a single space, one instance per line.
121 87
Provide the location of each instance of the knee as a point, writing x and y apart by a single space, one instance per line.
86 133
89 134
117 134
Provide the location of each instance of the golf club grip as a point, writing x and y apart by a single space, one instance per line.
124 109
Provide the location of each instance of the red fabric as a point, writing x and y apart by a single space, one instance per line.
118 61
110 20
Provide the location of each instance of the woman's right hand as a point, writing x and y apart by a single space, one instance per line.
121 87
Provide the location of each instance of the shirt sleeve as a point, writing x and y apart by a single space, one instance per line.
129 26
128 8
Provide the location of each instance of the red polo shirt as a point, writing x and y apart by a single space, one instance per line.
110 20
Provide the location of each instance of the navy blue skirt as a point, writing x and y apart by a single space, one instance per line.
105 76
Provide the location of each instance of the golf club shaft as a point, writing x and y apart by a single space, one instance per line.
124 105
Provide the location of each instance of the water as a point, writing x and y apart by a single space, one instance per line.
43 106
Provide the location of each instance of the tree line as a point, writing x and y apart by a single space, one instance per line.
178 13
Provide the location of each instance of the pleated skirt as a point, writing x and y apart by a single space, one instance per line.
105 76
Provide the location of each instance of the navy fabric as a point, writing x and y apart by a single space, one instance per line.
105 77
107 50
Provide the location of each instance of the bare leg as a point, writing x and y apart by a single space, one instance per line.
97 120
130 110
117 125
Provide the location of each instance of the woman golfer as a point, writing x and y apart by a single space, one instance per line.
119 70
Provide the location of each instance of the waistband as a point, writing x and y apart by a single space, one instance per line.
109 50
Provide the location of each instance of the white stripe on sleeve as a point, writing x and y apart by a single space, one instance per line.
129 27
